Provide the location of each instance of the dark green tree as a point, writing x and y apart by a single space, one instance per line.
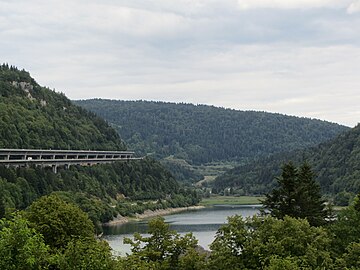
2 206
297 195
311 203
281 201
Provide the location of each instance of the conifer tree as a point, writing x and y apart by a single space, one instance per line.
298 195
282 201
311 203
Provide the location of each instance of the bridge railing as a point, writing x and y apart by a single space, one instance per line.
55 158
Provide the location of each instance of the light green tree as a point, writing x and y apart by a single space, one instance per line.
346 229
163 249
260 242
58 221
87 253
352 255
21 247
288 263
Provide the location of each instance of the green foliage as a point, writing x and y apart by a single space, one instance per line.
181 170
2 207
228 245
58 221
202 134
336 164
297 195
351 256
163 249
32 116
21 247
346 229
252 243
87 253
289 263
96 189
192 260
98 210
268 243
343 198
67 231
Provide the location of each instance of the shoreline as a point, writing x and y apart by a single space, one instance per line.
150 213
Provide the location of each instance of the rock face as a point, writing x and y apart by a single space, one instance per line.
26 87
23 85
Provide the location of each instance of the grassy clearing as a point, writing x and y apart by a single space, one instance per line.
207 179
231 200
215 168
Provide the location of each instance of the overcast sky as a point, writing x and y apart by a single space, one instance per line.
298 57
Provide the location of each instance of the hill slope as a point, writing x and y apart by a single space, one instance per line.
32 116
201 134
336 163
35 117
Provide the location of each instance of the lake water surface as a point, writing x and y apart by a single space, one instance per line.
203 223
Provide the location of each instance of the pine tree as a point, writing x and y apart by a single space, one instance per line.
281 201
311 203
298 195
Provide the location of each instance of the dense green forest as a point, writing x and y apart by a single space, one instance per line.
32 116
54 228
186 137
336 164
99 190
200 134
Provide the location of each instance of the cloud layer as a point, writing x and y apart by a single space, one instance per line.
298 57
293 4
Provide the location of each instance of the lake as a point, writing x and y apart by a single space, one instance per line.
202 222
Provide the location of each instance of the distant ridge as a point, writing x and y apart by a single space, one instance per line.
200 134
336 162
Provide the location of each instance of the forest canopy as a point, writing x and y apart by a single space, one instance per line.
200 134
335 163
32 116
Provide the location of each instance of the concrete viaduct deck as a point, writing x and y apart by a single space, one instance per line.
56 158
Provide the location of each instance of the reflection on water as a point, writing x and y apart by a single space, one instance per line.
203 223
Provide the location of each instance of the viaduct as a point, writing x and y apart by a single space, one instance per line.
56 158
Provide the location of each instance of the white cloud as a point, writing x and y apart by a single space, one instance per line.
305 81
292 4
132 21
202 51
354 7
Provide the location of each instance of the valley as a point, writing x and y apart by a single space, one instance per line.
216 166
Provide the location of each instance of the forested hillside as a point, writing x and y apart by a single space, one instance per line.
336 163
32 116
200 134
